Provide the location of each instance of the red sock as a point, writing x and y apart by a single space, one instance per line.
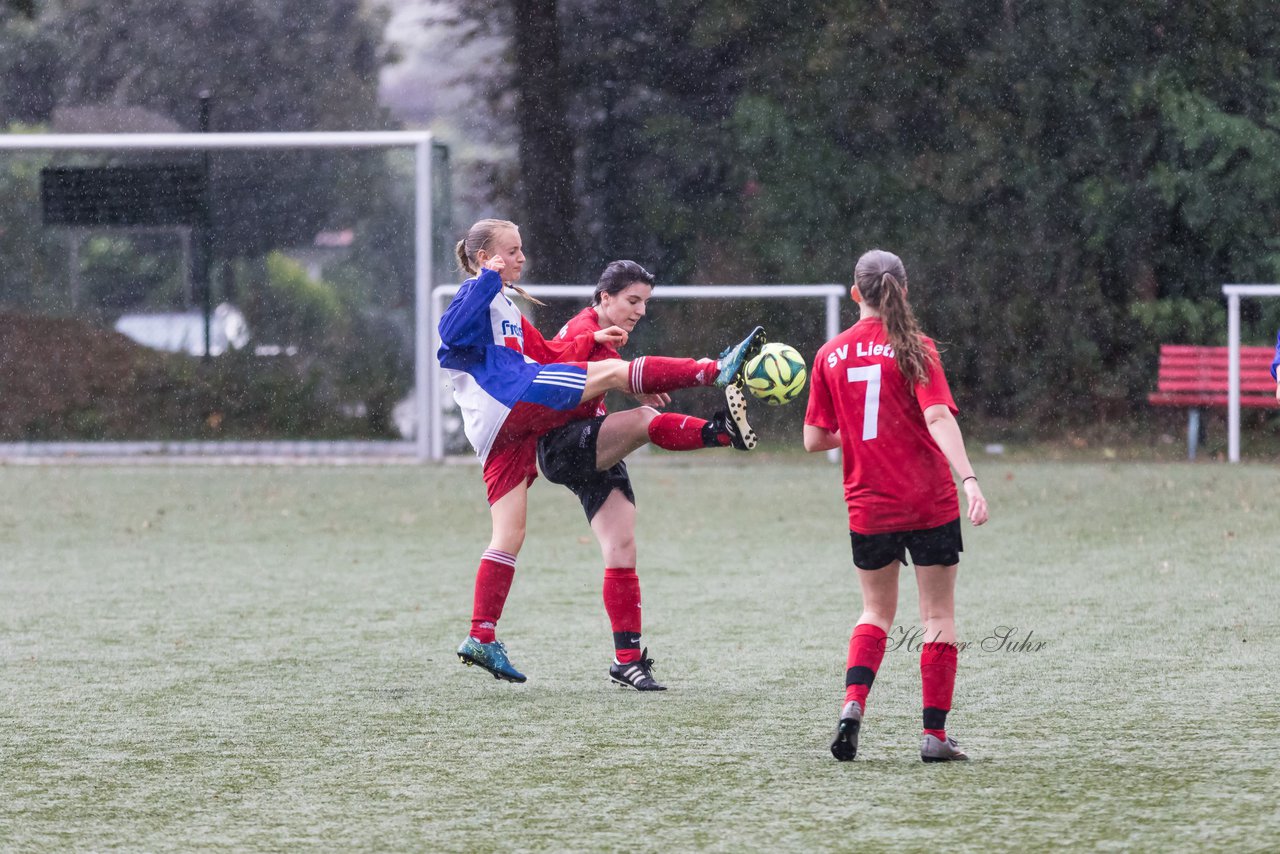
866 649
674 432
493 582
938 682
622 604
654 374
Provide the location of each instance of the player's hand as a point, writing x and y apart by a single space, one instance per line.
657 401
1277 391
977 504
496 263
614 336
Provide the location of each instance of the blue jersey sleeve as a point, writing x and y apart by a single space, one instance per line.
465 322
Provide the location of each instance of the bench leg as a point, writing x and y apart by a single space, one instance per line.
1193 432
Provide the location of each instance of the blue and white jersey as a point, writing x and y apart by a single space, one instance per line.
486 348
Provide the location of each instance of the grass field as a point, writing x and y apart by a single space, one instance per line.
261 658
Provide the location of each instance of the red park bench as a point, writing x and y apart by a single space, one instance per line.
1195 377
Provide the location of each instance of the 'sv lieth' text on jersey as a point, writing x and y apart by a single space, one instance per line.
896 478
492 353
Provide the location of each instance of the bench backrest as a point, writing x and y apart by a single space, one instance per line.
1189 368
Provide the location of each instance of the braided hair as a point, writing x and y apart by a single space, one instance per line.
480 236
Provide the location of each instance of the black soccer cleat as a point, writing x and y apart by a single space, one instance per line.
845 745
637 674
732 422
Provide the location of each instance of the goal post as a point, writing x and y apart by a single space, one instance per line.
1233 294
419 141
830 294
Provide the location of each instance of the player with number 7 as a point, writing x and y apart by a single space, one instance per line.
878 393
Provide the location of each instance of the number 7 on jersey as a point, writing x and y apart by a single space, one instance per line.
870 374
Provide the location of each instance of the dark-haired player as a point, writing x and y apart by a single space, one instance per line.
587 457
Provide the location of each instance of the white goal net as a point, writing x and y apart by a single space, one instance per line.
271 273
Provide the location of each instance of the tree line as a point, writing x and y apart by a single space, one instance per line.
1069 183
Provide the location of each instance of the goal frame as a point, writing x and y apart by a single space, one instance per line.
419 141
1233 293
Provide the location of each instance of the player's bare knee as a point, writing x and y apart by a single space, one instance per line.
621 544
510 538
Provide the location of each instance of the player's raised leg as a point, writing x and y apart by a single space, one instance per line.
658 374
623 432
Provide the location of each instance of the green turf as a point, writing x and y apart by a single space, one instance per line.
262 659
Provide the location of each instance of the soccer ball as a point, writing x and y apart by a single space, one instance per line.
776 375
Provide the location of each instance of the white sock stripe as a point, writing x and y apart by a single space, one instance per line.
636 372
499 557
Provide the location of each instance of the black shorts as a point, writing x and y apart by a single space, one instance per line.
940 546
567 455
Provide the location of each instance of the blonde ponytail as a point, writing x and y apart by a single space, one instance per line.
464 263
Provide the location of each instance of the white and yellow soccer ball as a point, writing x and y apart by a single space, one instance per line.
776 374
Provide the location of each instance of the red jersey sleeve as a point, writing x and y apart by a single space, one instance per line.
936 390
545 352
586 321
820 411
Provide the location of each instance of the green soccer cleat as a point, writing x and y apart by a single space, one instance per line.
734 358
490 656
934 749
845 745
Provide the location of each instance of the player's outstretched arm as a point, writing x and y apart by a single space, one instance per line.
946 432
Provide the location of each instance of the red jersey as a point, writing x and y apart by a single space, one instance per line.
896 478
583 322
